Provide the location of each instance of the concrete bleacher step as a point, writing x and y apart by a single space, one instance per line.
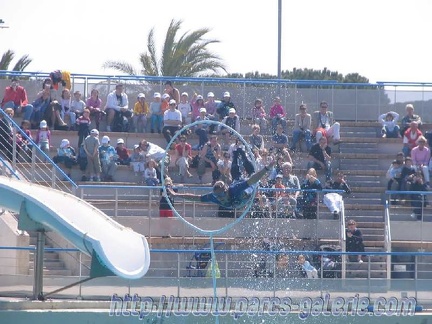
361 274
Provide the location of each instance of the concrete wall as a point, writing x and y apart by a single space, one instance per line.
13 261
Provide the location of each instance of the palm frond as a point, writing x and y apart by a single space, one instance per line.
123 67
22 63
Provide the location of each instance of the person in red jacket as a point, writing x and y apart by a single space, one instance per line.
410 138
15 97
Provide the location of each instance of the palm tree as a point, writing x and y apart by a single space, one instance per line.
187 56
7 59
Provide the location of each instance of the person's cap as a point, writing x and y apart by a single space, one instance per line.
409 106
203 110
210 94
199 97
226 94
105 140
172 102
185 94
65 142
43 124
156 95
231 111
120 141
94 131
136 146
279 176
351 222
165 95
14 79
141 95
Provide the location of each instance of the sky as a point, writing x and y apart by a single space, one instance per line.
382 40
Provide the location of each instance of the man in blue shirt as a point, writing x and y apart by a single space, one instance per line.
238 193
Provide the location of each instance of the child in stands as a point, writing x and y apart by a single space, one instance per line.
108 158
150 175
26 146
156 113
185 108
43 137
66 155
140 112
165 209
310 270
83 123
122 153
76 108
137 163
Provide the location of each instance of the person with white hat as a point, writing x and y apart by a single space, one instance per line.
172 121
108 156
202 129
211 105
91 147
197 103
185 108
225 105
43 137
122 153
140 112
137 163
66 155
232 120
156 113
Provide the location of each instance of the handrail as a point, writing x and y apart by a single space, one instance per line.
7 166
387 237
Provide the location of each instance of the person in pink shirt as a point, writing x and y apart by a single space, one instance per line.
197 103
94 104
420 156
15 97
277 114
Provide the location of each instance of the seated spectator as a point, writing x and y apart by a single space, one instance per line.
255 139
308 201
94 104
410 138
150 175
302 128
224 167
354 241
122 153
211 106
290 181
117 104
137 163
333 200
183 152
420 156
390 128
224 106
173 92
323 124
418 201
164 208
277 115
172 121
202 129
261 207
282 206
108 157
83 123
165 103
140 113
155 152
407 173
40 105
263 158
259 115
233 121
15 97
66 155
320 157
25 142
185 109
156 114
310 270
76 108
394 175
408 118
279 139
197 103
209 156
286 156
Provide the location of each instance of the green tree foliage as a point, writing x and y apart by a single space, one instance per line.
185 56
7 59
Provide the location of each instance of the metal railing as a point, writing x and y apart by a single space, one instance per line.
349 101
387 237
175 272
